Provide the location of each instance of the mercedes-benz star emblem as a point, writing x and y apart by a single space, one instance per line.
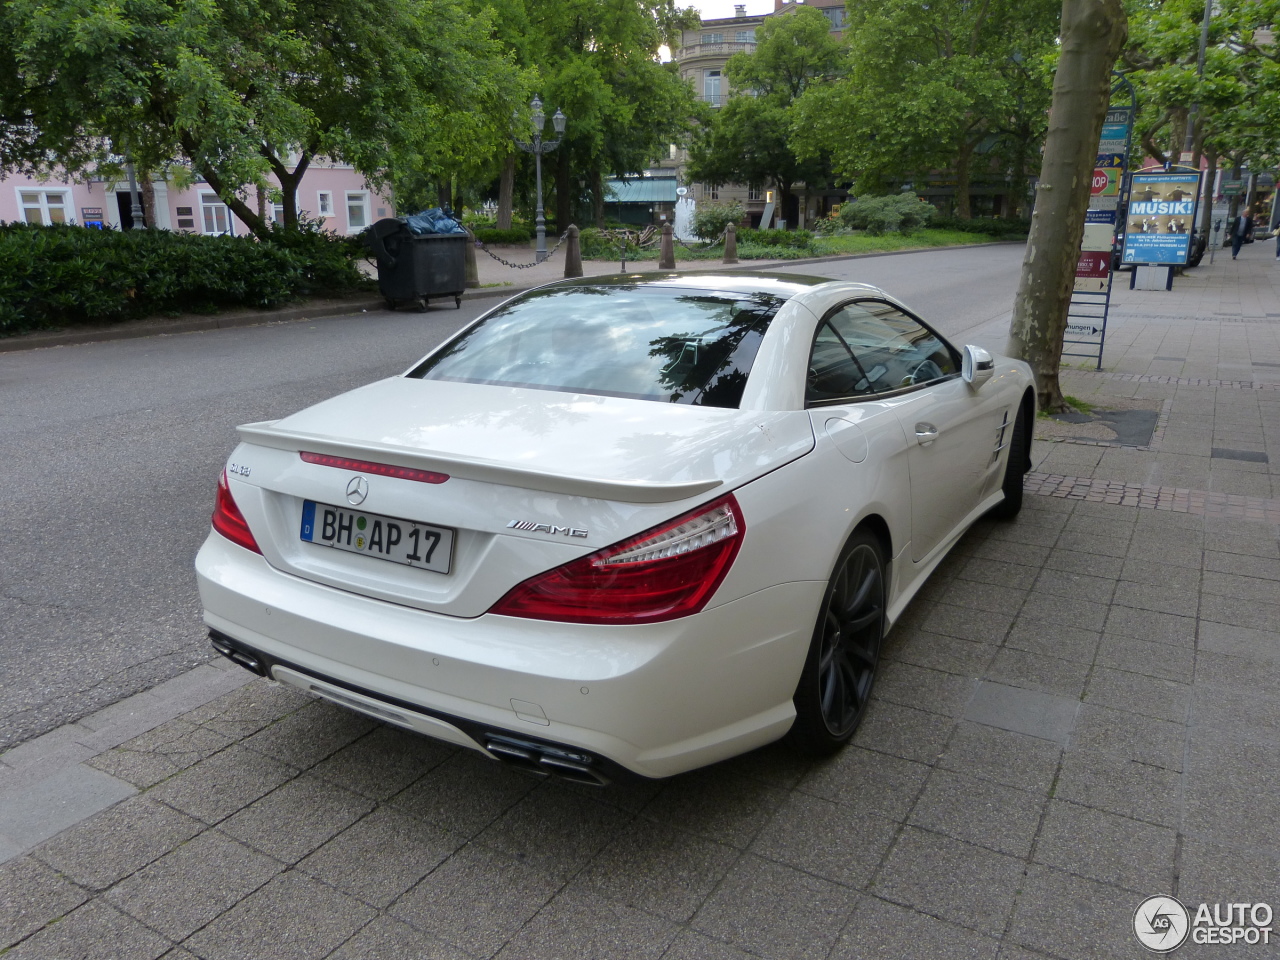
357 490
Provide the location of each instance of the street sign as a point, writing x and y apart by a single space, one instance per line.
1106 181
1082 330
1232 188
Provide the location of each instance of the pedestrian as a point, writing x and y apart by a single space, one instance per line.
1241 227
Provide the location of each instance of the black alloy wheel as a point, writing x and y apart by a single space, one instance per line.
835 685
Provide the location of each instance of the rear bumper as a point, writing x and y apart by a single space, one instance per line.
656 699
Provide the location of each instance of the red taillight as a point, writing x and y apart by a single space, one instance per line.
228 520
664 573
378 469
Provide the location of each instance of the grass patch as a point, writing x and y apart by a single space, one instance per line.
1077 404
844 244
917 240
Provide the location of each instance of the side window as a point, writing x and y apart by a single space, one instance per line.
834 372
885 350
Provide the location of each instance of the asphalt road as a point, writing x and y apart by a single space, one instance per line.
111 451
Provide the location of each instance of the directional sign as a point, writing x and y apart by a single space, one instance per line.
1082 330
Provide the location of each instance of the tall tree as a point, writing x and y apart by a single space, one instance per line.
1230 100
1093 32
932 85
238 90
600 63
747 140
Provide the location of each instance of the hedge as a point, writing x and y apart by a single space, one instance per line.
989 226
514 235
69 275
801 239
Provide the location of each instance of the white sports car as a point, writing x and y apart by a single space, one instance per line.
635 522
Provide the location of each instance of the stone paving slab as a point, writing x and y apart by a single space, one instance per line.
1081 709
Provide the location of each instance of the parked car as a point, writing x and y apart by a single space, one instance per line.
636 523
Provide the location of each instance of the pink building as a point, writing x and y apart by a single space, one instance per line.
334 192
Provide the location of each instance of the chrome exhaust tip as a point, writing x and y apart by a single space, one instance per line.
236 655
546 760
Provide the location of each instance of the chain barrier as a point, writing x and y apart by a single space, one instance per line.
649 236
643 239
523 266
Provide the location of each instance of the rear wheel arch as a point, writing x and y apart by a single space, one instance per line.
878 527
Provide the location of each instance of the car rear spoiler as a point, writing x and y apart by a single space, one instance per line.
487 471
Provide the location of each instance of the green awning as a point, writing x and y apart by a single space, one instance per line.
641 190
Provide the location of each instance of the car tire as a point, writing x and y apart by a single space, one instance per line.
1014 468
844 654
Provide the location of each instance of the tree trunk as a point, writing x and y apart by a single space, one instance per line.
506 190
248 216
963 209
289 181
1206 204
564 193
1178 132
597 197
1018 186
148 199
1093 31
444 195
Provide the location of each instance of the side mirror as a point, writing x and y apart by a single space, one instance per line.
976 366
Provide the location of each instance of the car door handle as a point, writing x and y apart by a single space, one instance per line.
926 433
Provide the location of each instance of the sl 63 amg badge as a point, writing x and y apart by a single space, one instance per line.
546 528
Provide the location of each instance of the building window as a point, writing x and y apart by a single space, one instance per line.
45 207
836 16
753 193
326 203
713 38
745 36
277 213
711 193
711 87
357 211
216 216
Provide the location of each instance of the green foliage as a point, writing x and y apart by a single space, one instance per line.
598 244
800 239
68 275
899 212
599 62
934 84
494 235
240 90
987 226
710 219
746 141
1238 94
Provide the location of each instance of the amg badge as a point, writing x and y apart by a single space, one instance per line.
546 528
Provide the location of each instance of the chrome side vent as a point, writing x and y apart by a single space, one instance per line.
1001 442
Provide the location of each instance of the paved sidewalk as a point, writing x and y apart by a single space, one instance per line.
1081 710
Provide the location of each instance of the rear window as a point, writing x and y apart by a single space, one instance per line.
647 343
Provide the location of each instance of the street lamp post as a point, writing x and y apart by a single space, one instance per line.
537 146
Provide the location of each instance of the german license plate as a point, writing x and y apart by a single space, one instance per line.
387 538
